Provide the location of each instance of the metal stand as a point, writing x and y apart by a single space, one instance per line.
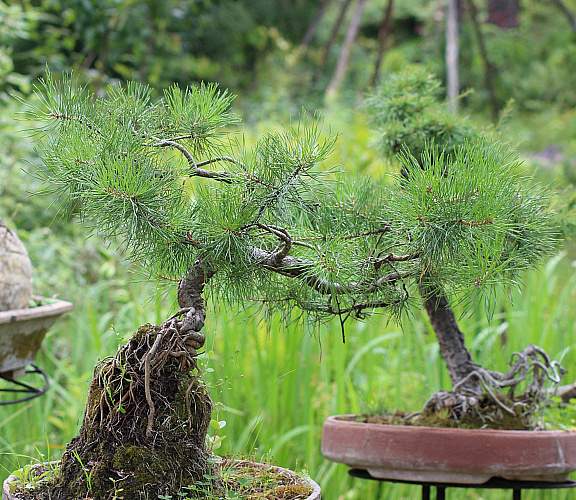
17 387
494 483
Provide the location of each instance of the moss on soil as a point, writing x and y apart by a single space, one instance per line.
487 415
247 479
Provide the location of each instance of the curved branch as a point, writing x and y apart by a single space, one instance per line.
199 172
293 267
162 143
284 236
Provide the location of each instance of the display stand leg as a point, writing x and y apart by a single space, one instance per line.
425 492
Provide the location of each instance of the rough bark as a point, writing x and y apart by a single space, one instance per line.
190 298
456 357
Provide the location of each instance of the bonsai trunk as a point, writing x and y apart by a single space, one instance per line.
451 340
479 397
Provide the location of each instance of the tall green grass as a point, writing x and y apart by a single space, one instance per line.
274 385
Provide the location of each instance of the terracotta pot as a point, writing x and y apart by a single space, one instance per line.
22 332
433 454
315 495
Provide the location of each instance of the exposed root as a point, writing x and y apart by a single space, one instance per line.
499 399
127 376
146 419
147 414
567 393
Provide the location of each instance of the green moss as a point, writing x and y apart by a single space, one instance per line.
487 415
141 332
128 458
289 491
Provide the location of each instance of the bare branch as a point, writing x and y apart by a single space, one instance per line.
162 143
222 158
391 257
199 172
357 309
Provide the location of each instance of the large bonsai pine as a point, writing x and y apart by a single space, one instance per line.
274 226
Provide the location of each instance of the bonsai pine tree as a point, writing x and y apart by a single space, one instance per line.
172 183
414 126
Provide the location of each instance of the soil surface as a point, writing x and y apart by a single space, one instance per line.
487 415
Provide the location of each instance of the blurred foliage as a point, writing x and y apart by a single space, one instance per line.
535 63
63 260
160 43
15 25
253 47
408 116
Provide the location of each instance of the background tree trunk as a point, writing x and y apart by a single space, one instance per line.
490 71
452 48
383 33
332 38
503 13
315 22
344 58
571 18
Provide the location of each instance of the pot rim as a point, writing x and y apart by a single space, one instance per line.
56 307
426 428
450 455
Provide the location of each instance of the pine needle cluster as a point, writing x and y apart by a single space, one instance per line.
169 181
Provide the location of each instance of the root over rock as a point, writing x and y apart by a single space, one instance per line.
145 422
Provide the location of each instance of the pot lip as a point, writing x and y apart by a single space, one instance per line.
339 420
54 308
314 495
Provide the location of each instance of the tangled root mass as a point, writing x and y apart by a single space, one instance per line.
145 421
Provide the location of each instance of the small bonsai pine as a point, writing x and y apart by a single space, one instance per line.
274 226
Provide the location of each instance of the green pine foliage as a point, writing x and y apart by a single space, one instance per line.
406 113
169 181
